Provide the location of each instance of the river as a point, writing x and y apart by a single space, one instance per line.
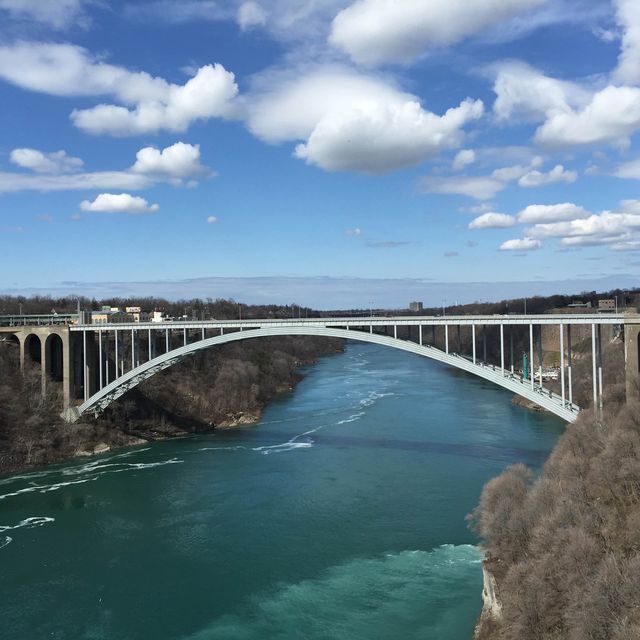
341 515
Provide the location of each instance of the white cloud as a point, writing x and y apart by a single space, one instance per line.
486 187
212 219
251 14
353 232
540 213
180 160
152 166
208 94
41 162
16 182
557 174
118 203
353 122
463 159
58 14
628 16
479 187
384 138
605 225
69 70
524 244
612 115
629 170
492 221
381 31
524 93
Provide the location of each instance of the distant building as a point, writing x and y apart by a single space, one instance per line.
606 305
108 316
416 306
137 315
158 316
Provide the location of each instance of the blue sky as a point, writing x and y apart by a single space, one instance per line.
473 149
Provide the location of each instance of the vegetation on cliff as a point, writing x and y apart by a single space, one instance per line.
564 547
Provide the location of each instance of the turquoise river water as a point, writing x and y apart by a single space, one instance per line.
340 516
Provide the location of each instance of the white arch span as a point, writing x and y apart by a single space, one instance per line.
542 397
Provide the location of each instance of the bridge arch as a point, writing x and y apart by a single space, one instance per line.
33 348
54 350
105 396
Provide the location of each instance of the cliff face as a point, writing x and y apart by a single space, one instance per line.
488 626
223 387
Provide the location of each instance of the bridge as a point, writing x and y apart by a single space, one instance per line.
97 363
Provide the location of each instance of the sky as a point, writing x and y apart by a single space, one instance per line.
333 153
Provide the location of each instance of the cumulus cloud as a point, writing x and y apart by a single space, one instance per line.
492 220
251 14
58 14
208 94
118 203
521 244
353 232
41 162
612 115
575 227
629 169
570 114
525 93
463 159
152 103
212 219
180 160
381 31
540 213
352 121
172 164
628 17
605 225
537 178
486 187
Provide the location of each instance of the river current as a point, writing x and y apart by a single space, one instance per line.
341 515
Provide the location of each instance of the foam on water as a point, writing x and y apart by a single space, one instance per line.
411 595
6 541
96 468
30 523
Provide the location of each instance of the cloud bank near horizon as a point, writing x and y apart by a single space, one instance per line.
333 293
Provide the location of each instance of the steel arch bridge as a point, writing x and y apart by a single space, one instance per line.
499 375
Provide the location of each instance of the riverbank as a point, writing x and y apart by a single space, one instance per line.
223 388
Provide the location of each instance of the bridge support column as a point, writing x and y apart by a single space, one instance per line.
594 366
600 394
569 372
22 339
420 332
632 361
100 360
511 346
502 348
531 354
473 341
446 338
562 363
68 345
44 363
